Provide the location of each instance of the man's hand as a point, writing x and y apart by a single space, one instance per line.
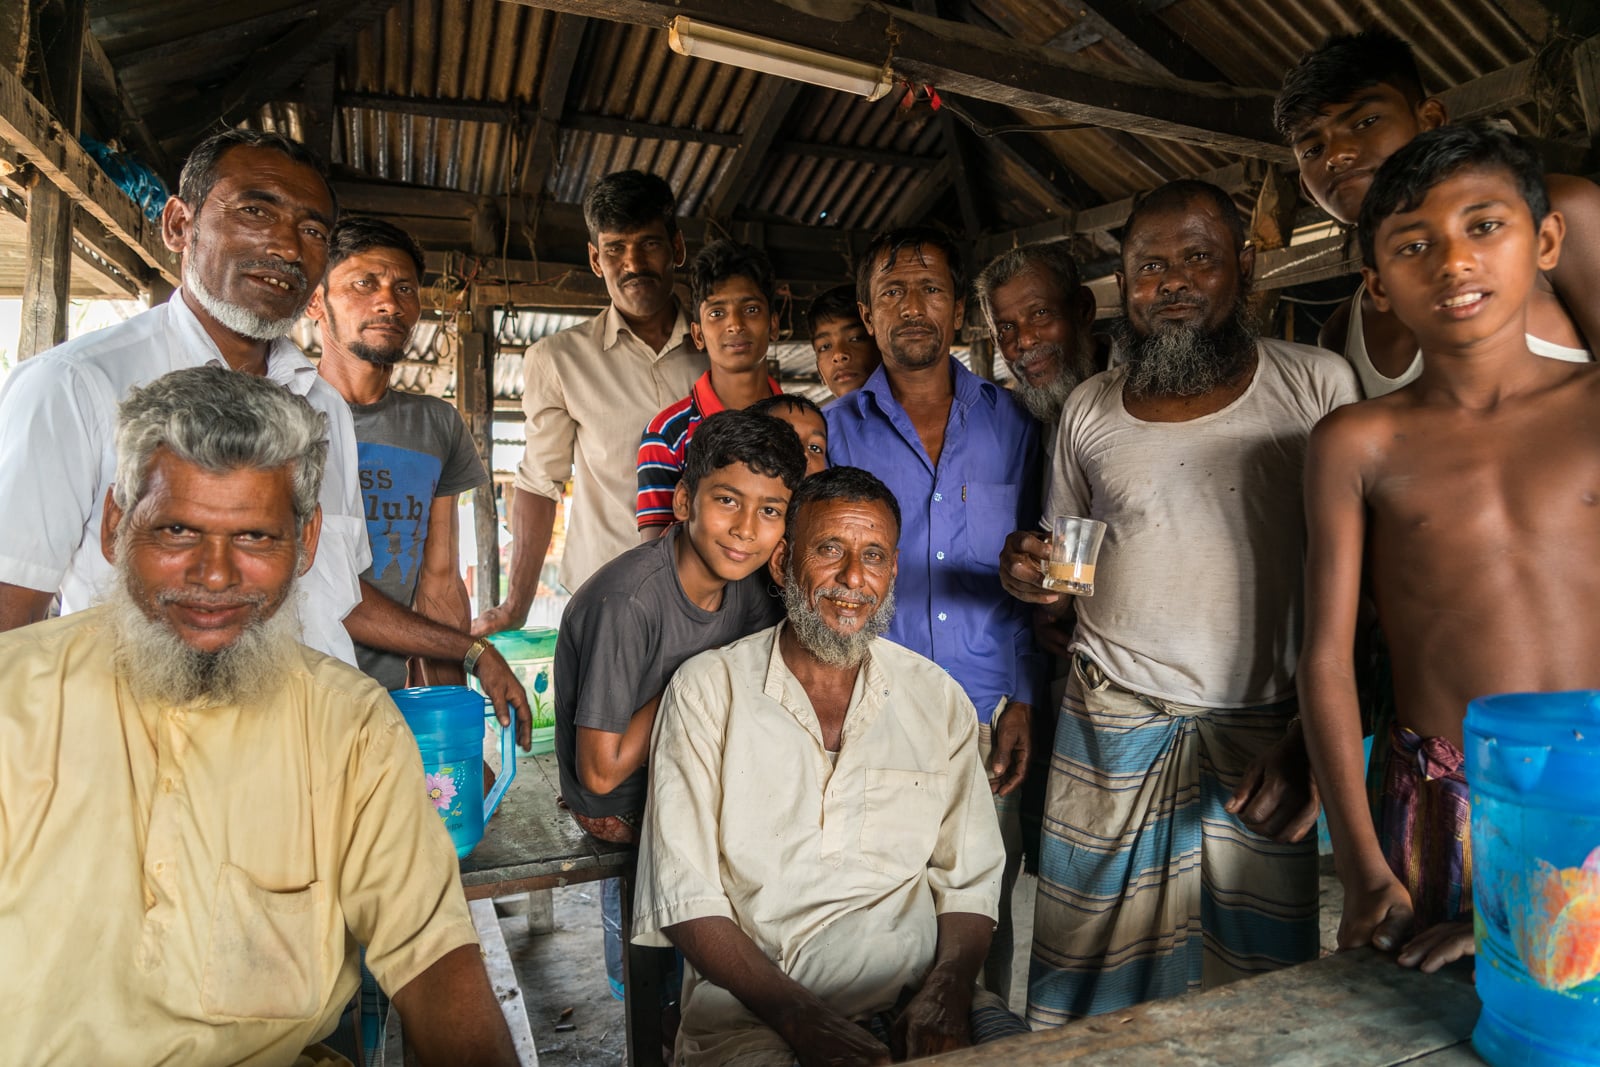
1438 945
500 685
1278 797
937 1019
830 1041
1022 570
497 619
1377 913
1013 743
1051 634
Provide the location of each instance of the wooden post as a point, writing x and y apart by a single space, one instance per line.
15 21
46 284
480 415
980 351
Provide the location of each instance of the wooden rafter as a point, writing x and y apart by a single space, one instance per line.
220 36
554 81
957 149
764 117
961 58
1134 31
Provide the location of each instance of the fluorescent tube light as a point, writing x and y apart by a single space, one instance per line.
754 52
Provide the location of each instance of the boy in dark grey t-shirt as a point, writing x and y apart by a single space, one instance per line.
640 616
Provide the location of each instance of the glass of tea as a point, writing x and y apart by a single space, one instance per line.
1074 547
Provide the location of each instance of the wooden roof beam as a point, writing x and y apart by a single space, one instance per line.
566 36
764 117
35 134
960 58
957 150
219 36
1137 33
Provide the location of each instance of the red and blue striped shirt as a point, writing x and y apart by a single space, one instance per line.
662 449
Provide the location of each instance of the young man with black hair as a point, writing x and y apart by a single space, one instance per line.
1466 500
1344 109
801 413
581 385
731 290
846 354
698 586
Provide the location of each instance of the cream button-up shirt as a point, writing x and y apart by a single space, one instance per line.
188 885
837 872
588 393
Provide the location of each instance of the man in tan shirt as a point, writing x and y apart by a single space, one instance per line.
200 818
588 393
820 842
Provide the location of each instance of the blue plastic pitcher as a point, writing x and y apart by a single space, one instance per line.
1533 764
447 721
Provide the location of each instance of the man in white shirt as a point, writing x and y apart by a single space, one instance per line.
1173 855
251 223
820 841
588 393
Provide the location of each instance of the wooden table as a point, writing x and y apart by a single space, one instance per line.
1352 1009
532 844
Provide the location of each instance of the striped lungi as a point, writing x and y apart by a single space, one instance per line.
1147 887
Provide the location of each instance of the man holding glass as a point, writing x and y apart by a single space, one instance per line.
1179 797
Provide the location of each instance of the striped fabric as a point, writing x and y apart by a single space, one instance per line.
1147 887
1423 826
665 444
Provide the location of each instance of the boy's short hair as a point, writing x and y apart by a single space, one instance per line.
1344 65
1178 194
721 260
841 483
909 238
361 233
1402 183
836 303
629 200
785 402
767 445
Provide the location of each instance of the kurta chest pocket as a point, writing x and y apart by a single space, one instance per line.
265 957
900 826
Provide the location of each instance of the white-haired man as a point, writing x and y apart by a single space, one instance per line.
200 818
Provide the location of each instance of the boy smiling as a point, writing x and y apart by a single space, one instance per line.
731 290
1468 496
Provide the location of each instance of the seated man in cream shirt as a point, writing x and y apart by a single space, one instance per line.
200 818
820 841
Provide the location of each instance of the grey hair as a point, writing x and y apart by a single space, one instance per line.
1052 257
220 420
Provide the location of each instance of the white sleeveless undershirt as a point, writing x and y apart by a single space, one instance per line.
1373 381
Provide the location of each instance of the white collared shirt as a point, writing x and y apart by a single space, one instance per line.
58 423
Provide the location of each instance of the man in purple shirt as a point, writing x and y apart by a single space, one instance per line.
961 456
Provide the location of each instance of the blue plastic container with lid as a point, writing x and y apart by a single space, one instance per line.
448 723
1533 765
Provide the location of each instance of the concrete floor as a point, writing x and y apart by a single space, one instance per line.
563 977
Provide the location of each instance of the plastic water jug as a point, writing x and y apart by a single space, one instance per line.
531 654
448 722
1533 764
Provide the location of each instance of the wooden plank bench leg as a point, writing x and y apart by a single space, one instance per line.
641 979
503 979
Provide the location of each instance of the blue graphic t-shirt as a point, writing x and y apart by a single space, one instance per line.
410 449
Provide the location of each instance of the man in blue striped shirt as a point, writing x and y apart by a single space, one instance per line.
961 456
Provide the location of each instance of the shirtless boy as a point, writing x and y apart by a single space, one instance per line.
1344 109
1470 497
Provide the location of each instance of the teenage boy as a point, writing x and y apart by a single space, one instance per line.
731 291
1347 107
699 586
1468 496
846 353
805 418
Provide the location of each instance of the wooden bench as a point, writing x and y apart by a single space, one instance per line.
1352 1009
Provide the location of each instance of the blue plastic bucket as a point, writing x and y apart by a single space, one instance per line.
448 723
1533 764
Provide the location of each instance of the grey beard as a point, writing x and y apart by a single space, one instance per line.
821 640
1044 402
241 320
158 665
1185 360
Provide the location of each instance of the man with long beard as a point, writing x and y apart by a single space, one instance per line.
1040 316
819 842
202 819
1179 791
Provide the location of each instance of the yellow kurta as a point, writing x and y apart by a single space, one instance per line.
837 872
184 885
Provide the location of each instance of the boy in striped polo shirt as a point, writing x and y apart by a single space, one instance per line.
731 290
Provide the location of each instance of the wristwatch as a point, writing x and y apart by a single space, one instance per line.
479 647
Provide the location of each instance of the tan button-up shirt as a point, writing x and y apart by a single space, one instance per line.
588 393
188 885
837 872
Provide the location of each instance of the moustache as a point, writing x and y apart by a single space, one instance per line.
279 266
843 595
385 320
209 603
641 276
1178 300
